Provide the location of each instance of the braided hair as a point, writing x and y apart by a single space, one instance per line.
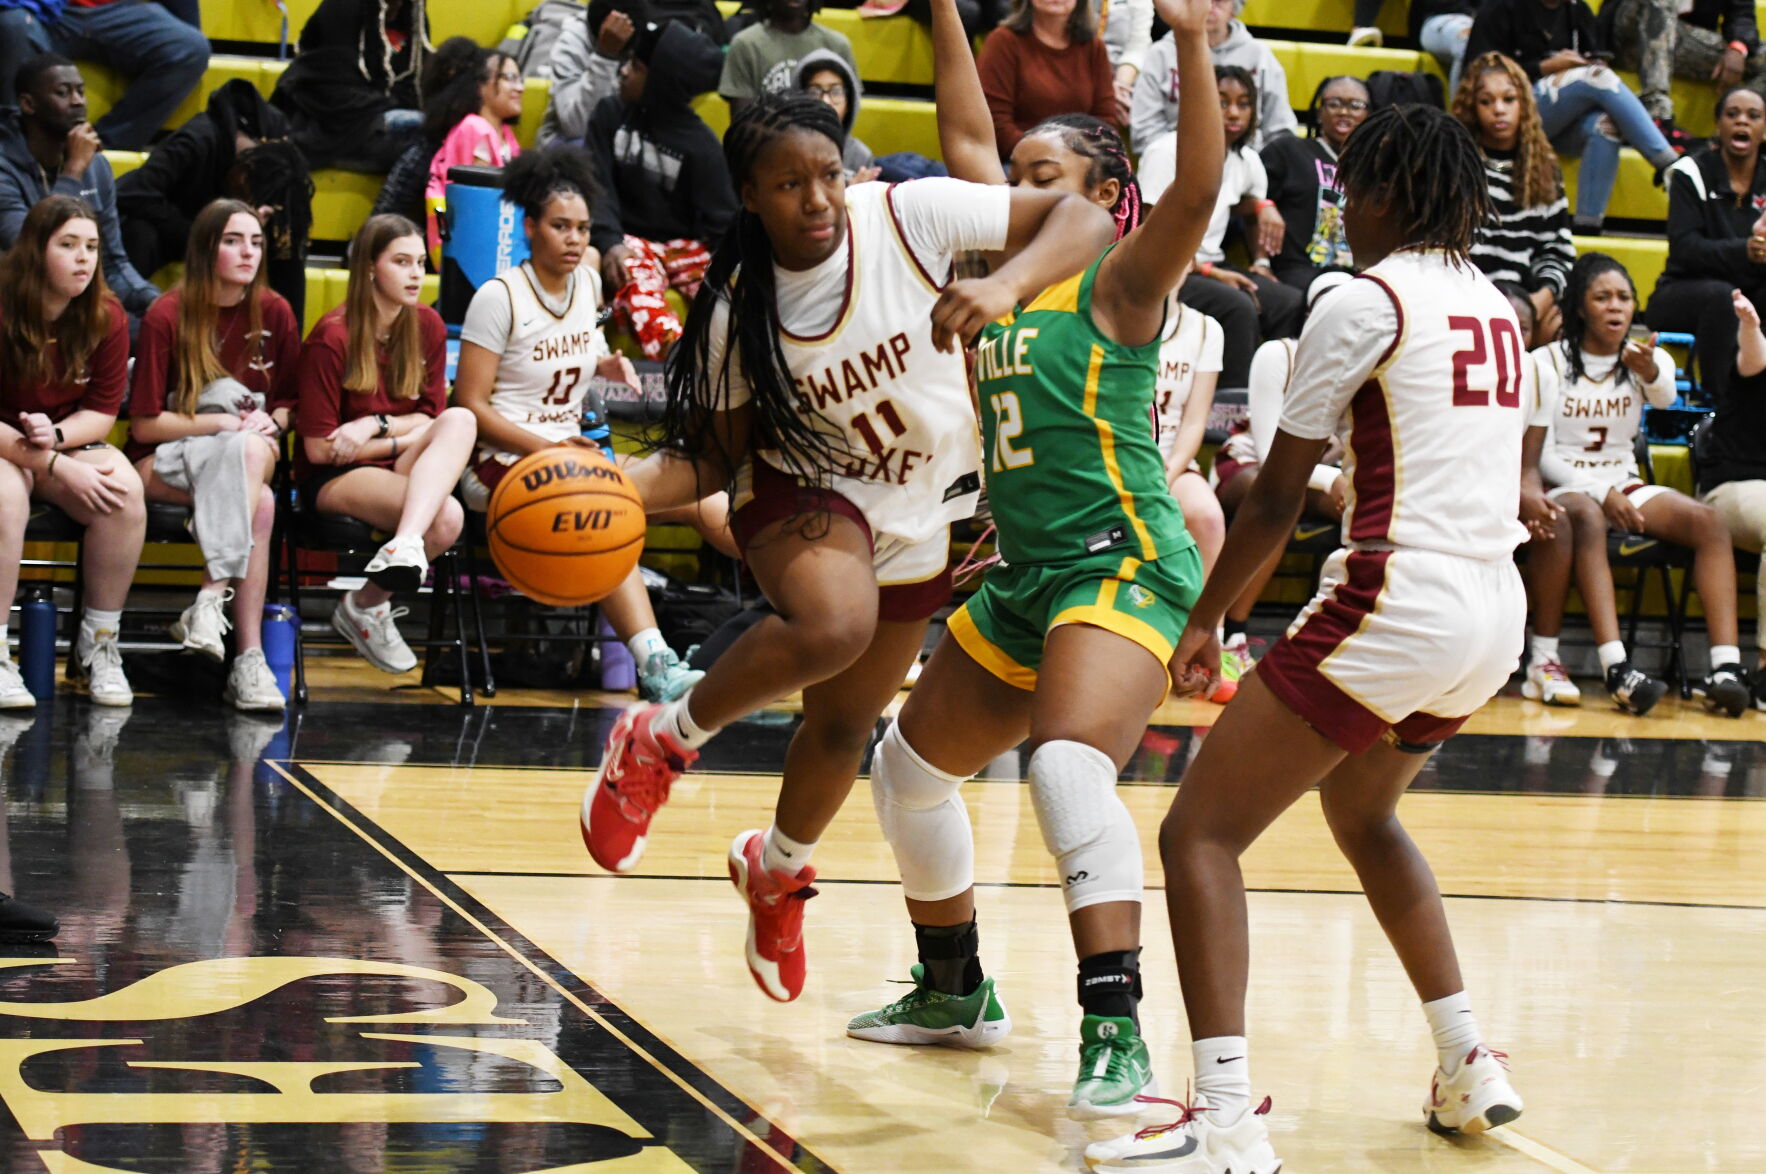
1425 166
741 276
1582 274
1097 142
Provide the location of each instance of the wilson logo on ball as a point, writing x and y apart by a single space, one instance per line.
568 469
564 526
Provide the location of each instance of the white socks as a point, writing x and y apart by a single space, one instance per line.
94 623
1223 1076
1543 647
780 853
1610 653
646 644
1722 654
1454 1029
674 720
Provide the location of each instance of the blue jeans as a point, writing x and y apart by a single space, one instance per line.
1445 37
1572 105
163 58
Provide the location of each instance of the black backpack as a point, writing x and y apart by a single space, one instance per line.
1392 87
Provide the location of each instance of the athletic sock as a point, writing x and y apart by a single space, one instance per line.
1234 627
1543 648
780 853
95 622
5 648
1610 653
1110 985
1223 1076
646 644
674 720
950 957
1722 654
1454 1029
212 589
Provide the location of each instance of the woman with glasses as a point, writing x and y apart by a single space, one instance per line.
1303 184
472 116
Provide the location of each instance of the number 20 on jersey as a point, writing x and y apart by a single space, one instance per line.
1493 339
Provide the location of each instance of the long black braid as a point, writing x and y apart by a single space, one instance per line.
741 274
1582 274
1424 165
1097 142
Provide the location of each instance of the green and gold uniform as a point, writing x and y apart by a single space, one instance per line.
1088 531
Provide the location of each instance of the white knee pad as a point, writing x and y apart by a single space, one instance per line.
923 818
1084 824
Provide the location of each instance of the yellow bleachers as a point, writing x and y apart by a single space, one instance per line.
1645 257
1635 196
1321 16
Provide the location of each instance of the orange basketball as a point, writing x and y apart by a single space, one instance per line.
565 526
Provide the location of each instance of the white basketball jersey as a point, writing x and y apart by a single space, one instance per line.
1434 458
902 408
1594 421
1192 344
550 358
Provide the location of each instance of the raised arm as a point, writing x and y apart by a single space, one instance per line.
1128 298
965 127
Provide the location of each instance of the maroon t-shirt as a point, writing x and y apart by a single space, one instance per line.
267 364
107 379
323 402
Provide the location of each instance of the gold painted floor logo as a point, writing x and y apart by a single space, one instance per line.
213 987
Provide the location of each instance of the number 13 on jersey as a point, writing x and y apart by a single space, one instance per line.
1008 425
1495 342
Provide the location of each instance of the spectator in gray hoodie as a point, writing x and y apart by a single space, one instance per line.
1154 108
48 148
584 67
825 75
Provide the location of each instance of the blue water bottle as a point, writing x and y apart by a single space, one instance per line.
36 641
279 633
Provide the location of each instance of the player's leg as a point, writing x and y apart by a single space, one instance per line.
1678 518
1631 689
1093 697
817 572
365 616
1549 564
1231 492
1360 799
959 717
1203 515
429 519
661 675
771 868
15 515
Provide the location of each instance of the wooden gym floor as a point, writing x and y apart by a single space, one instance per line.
369 939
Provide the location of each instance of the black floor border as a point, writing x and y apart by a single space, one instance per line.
703 1082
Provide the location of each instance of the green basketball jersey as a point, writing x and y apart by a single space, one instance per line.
1073 465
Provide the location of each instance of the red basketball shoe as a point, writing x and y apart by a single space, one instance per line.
637 769
775 917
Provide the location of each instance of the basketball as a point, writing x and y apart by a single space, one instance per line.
565 526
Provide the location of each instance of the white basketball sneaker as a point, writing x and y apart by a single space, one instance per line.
1549 682
1476 1097
1193 1144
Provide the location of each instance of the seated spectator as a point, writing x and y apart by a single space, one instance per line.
1249 306
1126 28
471 115
524 336
666 195
826 76
1442 28
1045 59
1593 385
162 56
351 91
1303 183
1584 106
1716 238
236 149
1155 92
64 369
1528 245
211 393
1733 476
763 57
1701 40
584 68
378 441
48 148
1183 396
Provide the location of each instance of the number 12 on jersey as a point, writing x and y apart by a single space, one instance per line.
1008 425
1492 337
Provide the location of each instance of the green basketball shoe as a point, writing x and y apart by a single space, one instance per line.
1114 1068
926 1016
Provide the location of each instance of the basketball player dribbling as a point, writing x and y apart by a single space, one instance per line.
1416 624
825 383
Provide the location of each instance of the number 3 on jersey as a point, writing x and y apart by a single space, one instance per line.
1008 425
1504 344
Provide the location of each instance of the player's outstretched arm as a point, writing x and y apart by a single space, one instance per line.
1128 297
965 127
669 479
